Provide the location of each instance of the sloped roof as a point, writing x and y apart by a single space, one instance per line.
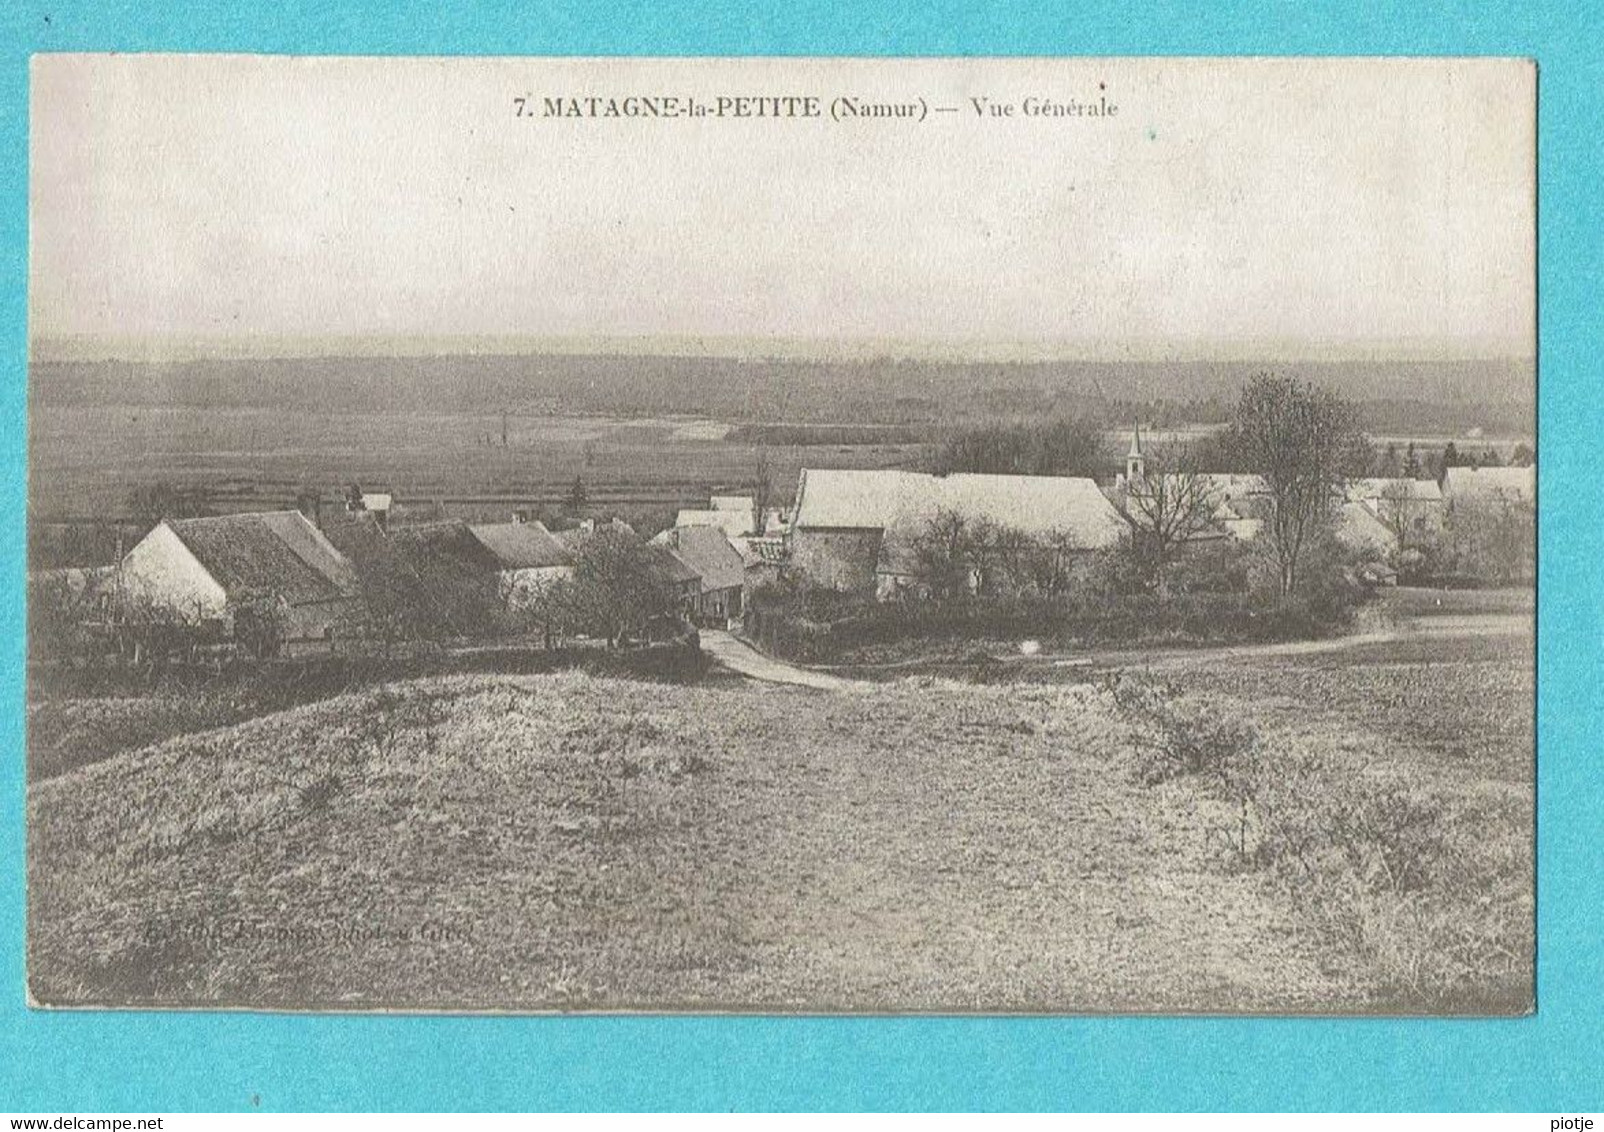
274 552
886 499
573 536
733 523
1491 483
709 553
762 550
673 567
1235 485
356 535
1357 525
448 540
1420 491
522 546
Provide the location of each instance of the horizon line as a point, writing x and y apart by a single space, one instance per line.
172 349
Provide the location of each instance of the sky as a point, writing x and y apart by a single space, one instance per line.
1226 207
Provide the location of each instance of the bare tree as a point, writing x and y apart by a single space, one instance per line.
1169 503
943 552
1301 441
1070 446
547 605
621 583
1394 509
762 487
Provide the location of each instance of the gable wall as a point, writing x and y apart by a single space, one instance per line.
837 558
160 569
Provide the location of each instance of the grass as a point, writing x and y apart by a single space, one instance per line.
1414 871
572 841
83 717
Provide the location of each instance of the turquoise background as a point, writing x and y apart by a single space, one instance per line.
1553 1061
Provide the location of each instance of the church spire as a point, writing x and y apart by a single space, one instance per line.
1135 462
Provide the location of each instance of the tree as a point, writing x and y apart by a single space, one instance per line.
1395 508
1167 505
1522 456
943 553
260 625
1071 446
576 497
1411 464
621 583
762 487
151 503
1300 440
549 606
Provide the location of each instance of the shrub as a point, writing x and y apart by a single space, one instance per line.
1369 863
1188 735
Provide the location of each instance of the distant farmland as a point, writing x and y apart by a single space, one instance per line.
644 434
85 460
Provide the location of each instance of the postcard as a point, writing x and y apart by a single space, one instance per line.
782 535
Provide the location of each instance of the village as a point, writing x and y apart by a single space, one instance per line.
348 573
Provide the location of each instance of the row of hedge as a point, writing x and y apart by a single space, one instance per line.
784 629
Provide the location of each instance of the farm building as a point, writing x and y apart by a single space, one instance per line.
844 517
457 577
718 565
1490 485
206 571
528 556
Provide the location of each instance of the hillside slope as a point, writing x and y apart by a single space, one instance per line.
575 842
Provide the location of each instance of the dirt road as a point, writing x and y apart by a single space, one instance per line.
735 654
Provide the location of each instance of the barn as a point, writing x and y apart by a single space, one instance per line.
1477 486
205 571
845 517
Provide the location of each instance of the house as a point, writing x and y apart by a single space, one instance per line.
1390 514
375 503
718 565
1236 501
734 523
574 536
205 571
528 556
844 517
678 575
763 558
1507 486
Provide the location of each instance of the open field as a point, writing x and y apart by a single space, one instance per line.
568 841
643 432
259 458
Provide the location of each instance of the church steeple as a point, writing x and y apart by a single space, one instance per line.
1135 462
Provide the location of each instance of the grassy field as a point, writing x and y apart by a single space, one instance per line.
570 841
